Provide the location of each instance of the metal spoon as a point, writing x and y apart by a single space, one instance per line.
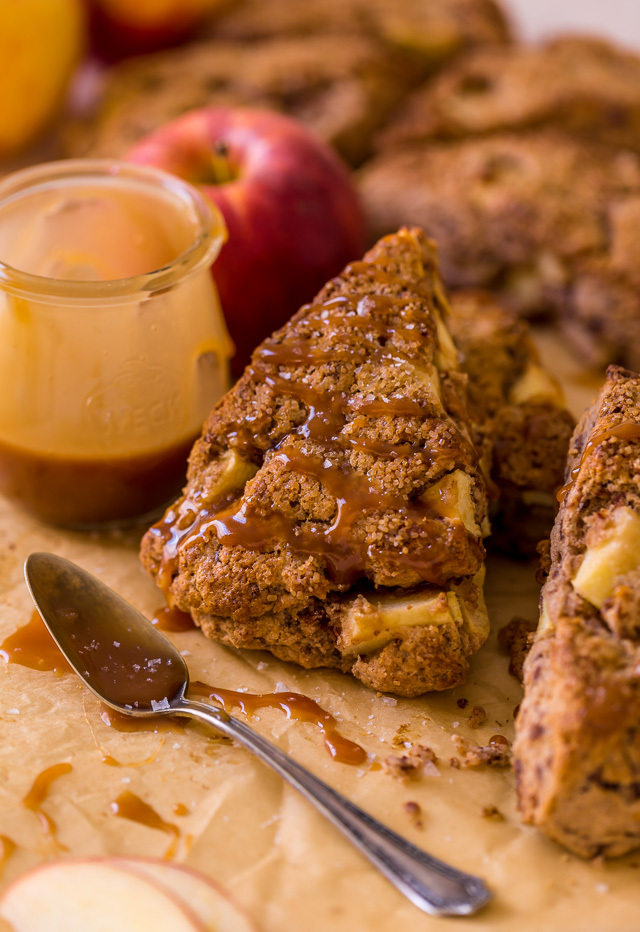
135 669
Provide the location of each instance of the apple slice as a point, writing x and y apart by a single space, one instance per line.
211 904
93 895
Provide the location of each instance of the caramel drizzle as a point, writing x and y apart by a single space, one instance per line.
7 847
145 725
129 806
626 430
172 619
37 795
327 414
118 721
295 706
344 556
32 646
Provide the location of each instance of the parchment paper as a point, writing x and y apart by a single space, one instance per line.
278 857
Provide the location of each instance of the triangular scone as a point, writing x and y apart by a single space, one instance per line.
577 746
335 508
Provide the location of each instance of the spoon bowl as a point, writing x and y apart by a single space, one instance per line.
135 669
120 655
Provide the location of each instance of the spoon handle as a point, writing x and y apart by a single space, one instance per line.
430 884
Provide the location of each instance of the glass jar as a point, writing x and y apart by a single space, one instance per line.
112 342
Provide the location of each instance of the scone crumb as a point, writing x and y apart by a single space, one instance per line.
454 762
516 638
462 703
478 755
414 811
478 717
412 764
492 812
544 552
400 739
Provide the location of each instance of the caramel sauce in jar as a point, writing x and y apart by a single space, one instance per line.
76 490
112 344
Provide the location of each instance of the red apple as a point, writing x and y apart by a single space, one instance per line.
120 28
293 216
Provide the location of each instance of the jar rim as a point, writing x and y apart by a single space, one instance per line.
211 233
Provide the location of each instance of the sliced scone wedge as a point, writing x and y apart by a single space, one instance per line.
521 425
577 749
340 471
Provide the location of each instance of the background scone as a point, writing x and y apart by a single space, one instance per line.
432 33
546 222
335 506
341 87
521 426
341 67
577 748
584 86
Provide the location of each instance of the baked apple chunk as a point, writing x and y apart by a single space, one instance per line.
335 505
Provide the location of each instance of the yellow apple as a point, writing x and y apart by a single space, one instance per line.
41 42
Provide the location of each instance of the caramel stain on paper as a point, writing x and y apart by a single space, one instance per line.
295 706
127 723
172 619
7 847
129 806
37 795
32 646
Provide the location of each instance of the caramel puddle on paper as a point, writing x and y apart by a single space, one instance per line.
7 847
295 706
129 806
38 794
109 716
32 646
172 619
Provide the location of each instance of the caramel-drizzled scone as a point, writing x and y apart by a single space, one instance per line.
582 85
335 508
521 426
577 746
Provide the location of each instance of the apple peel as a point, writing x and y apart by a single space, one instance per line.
93 895
103 894
209 901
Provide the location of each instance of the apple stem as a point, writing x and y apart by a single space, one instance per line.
220 164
